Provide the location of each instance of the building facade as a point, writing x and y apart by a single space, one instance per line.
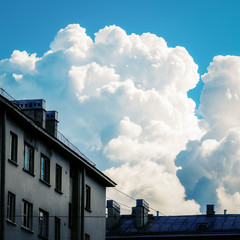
48 188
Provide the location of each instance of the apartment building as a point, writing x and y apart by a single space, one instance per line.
48 188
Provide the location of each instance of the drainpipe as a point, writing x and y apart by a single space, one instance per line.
83 204
3 157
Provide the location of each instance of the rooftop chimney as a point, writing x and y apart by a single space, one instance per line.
210 210
52 122
134 211
142 209
35 109
113 213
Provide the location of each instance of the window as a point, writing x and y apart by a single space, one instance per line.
58 178
27 215
43 224
11 207
88 197
72 171
87 237
70 215
57 228
29 158
13 147
45 169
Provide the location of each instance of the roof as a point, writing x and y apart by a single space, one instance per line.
61 142
178 225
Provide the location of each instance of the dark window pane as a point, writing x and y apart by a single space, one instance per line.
28 158
57 228
13 146
43 224
88 197
11 207
45 169
58 177
27 215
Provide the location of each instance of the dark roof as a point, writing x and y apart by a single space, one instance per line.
178 225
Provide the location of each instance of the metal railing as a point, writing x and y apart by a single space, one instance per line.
59 136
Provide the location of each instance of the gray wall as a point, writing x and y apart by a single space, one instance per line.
95 221
31 189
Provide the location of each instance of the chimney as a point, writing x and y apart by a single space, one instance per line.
52 122
113 213
142 209
134 211
210 210
225 211
35 109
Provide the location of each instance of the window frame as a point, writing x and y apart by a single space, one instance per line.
70 215
45 169
88 198
27 215
28 158
11 207
43 226
57 228
58 178
13 151
87 236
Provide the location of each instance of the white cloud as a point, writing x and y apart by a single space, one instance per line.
210 167
90 78
21 62
18 77
221 95
153 183
122 98
73 41
229 202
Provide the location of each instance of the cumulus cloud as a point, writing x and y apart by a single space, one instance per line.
150 181
220 97
229 202
123 100
210 166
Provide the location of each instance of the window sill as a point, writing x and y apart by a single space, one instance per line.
11 222
42 237
88 209
44 182
58 191
27 229
32 174
13 162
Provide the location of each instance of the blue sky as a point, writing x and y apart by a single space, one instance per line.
126 90
204 28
